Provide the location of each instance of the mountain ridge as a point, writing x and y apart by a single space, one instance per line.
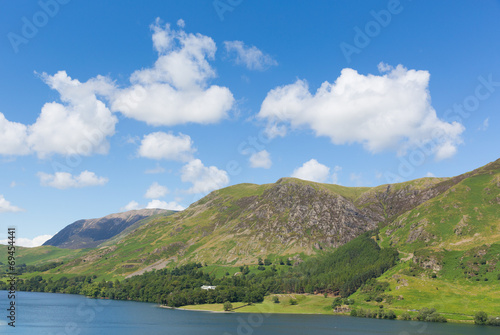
89 233
237 224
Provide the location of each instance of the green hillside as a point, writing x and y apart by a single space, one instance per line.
236 225
40 255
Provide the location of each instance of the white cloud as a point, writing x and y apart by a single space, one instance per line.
13 138
156 191
176 89
133 205
430 174
161 145
165 205
156 170
391 111
6 206
80 125
181 23
204 179
64 180
312 170
261 159
250 56
13 184
29 243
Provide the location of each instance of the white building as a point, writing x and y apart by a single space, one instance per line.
207 287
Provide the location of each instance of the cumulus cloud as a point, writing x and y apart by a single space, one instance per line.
6 206
64 180
391 111
204 179
162 145
133 205
13 138
430 174
79 125
312 170
156 191
261 159
172 205
176 89
29 243
249 56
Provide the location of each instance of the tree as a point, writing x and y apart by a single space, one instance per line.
293 301
267 262
228 306
337 302
276 300
481 318
259 261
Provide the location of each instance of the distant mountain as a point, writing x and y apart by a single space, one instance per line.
93 232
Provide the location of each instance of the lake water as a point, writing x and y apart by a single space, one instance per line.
49 313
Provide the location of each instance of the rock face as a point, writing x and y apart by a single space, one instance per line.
91 233
298 212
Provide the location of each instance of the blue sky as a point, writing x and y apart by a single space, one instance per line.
106 107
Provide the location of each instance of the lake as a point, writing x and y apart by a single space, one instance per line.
58 314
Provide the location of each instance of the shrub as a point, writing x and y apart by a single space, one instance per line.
337 302
293 301
405 316
228 306
493 321
480 318
276 300
430 315
390 315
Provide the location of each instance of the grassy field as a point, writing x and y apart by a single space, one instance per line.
307 304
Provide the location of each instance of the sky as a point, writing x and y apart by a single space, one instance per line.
111 106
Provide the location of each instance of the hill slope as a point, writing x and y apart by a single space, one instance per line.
91 233
238 224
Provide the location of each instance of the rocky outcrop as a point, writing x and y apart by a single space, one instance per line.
299 212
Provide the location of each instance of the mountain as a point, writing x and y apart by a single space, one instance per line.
297 218
91 233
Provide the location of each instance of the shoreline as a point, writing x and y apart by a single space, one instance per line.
454 321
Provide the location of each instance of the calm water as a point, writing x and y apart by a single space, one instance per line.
48 313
